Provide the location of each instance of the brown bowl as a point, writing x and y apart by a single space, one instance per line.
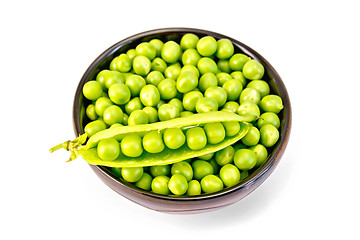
185 204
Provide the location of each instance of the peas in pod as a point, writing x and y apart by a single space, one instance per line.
179 118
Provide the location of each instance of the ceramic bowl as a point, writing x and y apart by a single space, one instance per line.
184 204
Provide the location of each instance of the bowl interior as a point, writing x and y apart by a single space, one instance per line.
175 34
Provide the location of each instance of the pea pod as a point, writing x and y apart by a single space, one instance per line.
168 156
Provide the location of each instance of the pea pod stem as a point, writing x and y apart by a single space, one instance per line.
71 146
64 145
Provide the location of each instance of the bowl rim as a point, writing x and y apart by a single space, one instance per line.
259 173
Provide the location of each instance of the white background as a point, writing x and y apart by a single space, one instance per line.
45 48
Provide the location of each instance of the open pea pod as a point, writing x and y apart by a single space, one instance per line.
168 156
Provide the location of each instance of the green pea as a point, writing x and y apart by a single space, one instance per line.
186 82
152 114
206 156
178 184
253 70
158 44
196 138
159 170
237 61
158 65
215 132
231 128
239 76
190 100
173 71
100 78
269 135
252 137
91 112
249 95
201 169
261 86
223 77
131 145
170 52
194 188
271 103
113 77
217 93
149 95
141 65
153 142
207 80
230 175
146 49
177 103
206 46
189 40
190 68
162 102
245 159
206 65
167 112
249 109
183 168
113 114
132 174
211 184
190 57
133 104
233 89
125 119
112 65
101 104
215 166
167 88
225 49
174 138
159 185
108 149
224 66
116 172
154 78
225 156
92 90
123 63
206 104
119 93
131 53
144 182
261 154
233 106
135 83
138 117
268 118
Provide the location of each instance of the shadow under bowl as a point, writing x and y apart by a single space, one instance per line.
185 204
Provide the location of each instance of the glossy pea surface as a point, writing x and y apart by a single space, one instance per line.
132 174
211 184
159 185
196 138
131 145
178 184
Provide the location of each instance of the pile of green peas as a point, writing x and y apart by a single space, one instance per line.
160 81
